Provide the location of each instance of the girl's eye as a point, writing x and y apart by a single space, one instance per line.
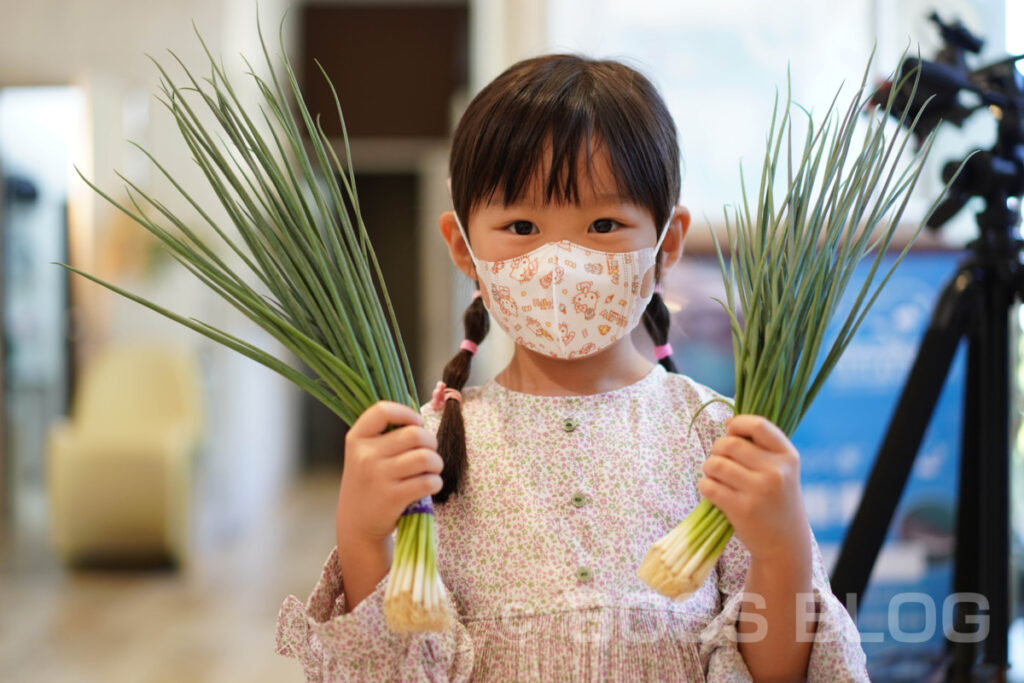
603 225
522 228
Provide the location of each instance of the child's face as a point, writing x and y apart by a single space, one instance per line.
602 219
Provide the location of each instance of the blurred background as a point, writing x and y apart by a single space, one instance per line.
161 495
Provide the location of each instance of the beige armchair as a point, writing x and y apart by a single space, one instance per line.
119 473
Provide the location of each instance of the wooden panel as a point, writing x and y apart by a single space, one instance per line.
395 66
388 205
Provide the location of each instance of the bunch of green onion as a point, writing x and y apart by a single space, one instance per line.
311 278
415 596
789 261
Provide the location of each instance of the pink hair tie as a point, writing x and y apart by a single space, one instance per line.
658 289
663 351
437 399
443 394
476 294
467 345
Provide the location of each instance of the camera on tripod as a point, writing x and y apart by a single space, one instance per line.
997 174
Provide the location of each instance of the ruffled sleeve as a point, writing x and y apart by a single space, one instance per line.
358 646
836 654
718 651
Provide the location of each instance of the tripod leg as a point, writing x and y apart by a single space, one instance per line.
968 546
903 437
993 448
981 564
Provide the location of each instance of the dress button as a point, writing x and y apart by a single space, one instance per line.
584 575
578 500
569 424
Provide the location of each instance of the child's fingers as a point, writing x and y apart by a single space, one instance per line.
730 473
412 489
406 439
719 494
741 450
761 431
381 415
415 463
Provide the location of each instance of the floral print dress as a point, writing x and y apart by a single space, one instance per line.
563 497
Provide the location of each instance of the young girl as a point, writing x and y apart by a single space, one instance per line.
560 473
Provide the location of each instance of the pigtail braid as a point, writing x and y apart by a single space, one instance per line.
451 434
656 321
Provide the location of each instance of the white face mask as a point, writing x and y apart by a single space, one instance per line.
565 300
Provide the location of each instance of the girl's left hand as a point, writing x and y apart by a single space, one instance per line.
753 476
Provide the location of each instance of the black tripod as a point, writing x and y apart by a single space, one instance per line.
975 305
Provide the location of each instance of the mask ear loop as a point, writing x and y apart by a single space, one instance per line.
462 228
664 230
657 246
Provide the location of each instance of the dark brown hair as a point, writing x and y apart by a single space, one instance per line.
570 103
573 105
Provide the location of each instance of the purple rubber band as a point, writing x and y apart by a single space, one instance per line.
420 507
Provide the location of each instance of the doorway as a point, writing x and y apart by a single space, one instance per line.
38 131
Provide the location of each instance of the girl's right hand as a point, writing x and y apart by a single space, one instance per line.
385 471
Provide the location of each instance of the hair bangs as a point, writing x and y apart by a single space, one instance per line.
541 124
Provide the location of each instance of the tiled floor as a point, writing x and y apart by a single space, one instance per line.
210 622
